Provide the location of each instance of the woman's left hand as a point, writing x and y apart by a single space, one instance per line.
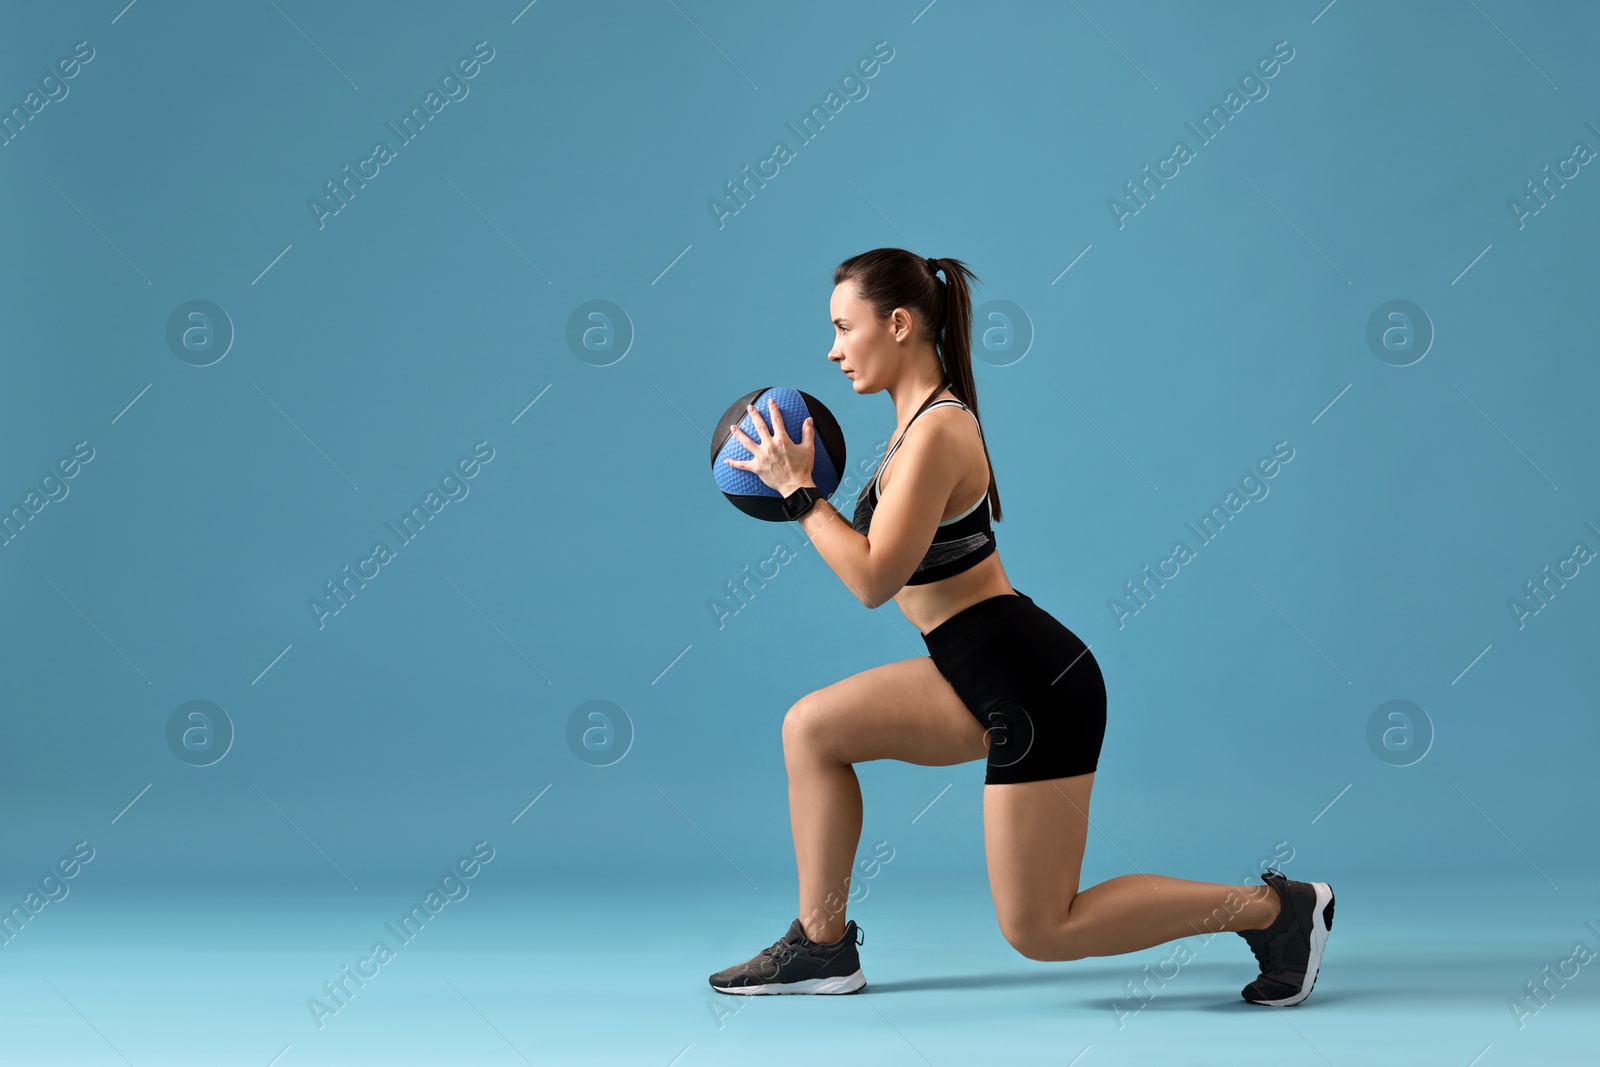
776 459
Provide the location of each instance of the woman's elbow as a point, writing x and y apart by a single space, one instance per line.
874 596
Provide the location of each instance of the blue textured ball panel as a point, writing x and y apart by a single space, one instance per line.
748 492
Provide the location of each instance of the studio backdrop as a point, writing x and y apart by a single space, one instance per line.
361 363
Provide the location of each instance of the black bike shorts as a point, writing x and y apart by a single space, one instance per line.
1030 681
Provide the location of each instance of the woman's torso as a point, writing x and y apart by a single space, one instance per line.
926 606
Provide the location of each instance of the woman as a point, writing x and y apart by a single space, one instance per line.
1003 680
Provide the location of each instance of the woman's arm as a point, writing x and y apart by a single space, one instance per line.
876 566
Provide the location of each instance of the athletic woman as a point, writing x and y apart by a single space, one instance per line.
1003 679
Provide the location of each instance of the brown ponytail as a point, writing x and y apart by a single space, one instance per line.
889 278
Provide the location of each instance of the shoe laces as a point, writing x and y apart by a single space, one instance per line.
783 950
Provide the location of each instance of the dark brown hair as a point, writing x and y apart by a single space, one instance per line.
889 278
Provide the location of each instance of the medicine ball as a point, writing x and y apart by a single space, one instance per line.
749 493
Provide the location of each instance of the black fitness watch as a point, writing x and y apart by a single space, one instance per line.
801 501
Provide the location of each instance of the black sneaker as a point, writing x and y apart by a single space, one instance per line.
1290 950
796 964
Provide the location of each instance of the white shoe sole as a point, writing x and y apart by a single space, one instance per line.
844 984
1319 940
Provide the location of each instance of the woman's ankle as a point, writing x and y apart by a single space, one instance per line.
1265 910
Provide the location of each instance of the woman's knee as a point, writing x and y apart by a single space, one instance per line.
1037 938
805 729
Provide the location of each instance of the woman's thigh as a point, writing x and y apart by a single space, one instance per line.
1033 836
903 710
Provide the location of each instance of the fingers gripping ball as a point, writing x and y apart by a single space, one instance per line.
743 488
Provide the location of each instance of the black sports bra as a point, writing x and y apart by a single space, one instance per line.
961 542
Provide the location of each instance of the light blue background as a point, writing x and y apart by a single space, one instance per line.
1230 313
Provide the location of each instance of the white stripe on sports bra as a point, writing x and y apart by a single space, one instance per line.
877 487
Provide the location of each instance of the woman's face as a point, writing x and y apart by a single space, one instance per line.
863 344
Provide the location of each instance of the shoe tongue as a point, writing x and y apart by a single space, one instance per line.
797 932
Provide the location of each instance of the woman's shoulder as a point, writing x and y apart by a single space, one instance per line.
948 428
950 409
